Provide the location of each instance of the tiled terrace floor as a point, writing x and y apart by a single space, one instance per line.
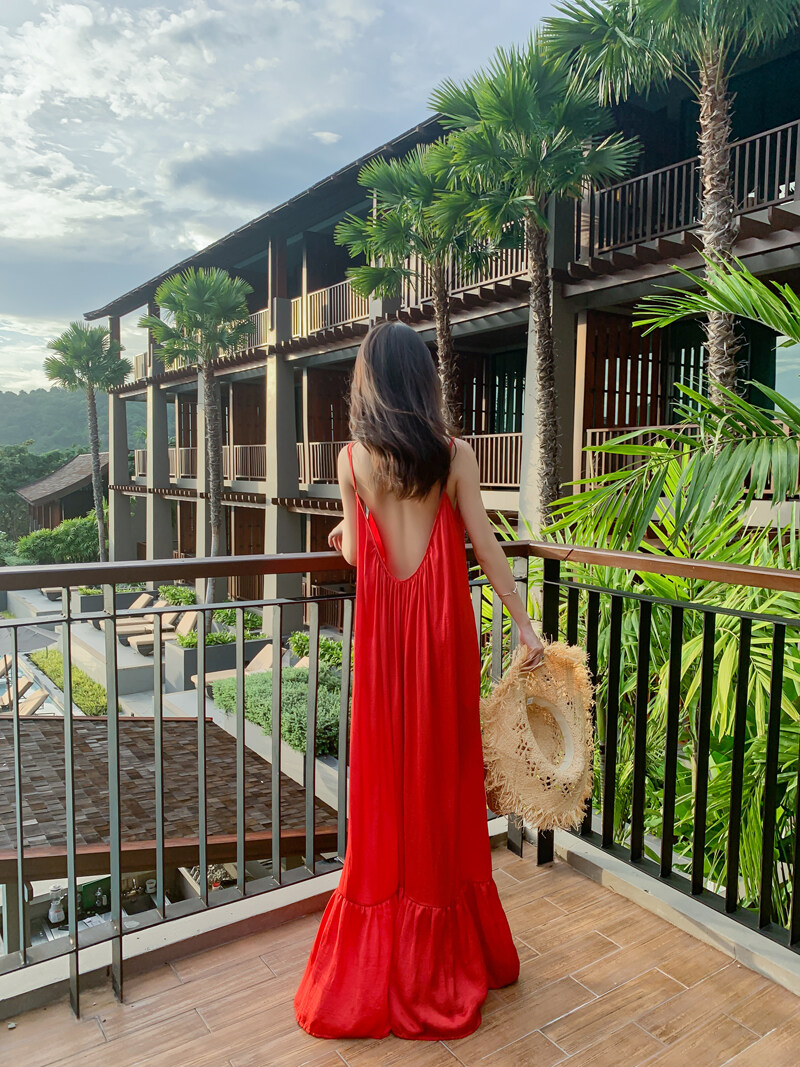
602 983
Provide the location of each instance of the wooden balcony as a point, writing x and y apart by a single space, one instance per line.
656 215
140 463
601 982
244 462
140 366
598 464
499 458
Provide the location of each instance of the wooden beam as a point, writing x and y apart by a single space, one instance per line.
487 293
522 285
601 265
580 270
670 249
624 260
692 240
781 219
750 227
50 862
646 254
470 300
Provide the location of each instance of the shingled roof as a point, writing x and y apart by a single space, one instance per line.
67 479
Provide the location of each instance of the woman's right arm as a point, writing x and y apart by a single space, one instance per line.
488 551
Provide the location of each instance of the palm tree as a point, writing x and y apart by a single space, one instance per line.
636 45
525 133
402 239
206 317
88 359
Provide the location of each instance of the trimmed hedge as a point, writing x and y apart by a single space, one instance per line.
89 695
294 705
177 595
330 650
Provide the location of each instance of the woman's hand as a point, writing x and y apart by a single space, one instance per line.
535 657
335 536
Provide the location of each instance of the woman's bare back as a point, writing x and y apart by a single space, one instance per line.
405 526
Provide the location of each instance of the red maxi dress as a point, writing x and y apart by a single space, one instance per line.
414 934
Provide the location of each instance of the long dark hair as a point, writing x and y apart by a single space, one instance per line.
396 411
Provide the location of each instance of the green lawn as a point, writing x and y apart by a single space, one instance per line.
89 695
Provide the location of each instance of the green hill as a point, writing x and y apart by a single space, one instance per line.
55 419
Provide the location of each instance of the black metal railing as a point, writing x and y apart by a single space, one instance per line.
658 791
712 811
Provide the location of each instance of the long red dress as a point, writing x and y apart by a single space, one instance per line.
414 934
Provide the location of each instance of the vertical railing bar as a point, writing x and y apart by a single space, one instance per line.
477 608
202 804
592 635
241 850
114 822
612 716
18 800
703 741
551 599
573 603
771 776
344 732
69 797
640 731
737 767
309 774
497 634
671 739
158 741
277 679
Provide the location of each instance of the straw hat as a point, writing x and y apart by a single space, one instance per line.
538 738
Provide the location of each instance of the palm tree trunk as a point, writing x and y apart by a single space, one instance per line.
541 324
444 343
97 478
213 443
720 225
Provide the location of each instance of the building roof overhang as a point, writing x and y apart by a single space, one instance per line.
252 237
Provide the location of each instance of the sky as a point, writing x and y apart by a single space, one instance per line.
135 133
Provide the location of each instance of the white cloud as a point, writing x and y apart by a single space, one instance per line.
135 131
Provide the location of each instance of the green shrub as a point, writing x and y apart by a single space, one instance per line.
177 595
294 705
330 650
216 637
72 541
89 695
125 587
227 617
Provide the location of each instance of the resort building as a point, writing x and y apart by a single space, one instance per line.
64 494
285 398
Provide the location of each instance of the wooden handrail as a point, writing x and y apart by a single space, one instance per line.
74 574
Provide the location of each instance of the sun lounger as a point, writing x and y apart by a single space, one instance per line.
7 699
5 665
31 704
52 592
143 601
261 662
143 643
169 620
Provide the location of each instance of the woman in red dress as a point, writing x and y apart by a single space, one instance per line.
414 934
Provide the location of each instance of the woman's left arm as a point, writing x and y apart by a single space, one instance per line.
346 531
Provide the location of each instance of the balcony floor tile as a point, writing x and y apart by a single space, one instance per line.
602 981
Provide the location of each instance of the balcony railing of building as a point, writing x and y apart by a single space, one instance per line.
140 366
244 462
765 170
125 825
182 463
499 457
597 464
338 305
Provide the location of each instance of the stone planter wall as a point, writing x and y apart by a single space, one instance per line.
85 602
181 663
